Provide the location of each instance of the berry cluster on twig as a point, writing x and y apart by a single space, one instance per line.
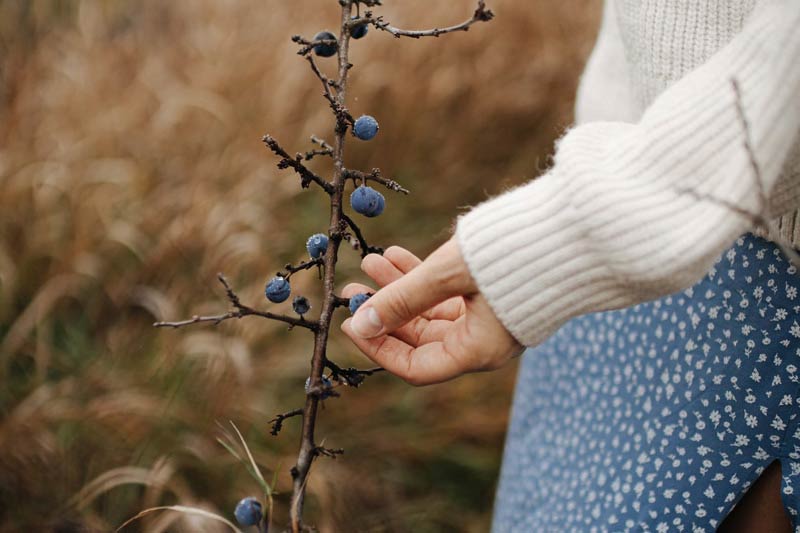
323 247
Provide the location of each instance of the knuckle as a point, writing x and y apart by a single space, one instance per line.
398 306
448 278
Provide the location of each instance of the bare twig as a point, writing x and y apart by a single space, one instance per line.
277 422
325 149
328 452
363 246
481 14
338 301
375 175
240 310
343 117
762 216
309 45
351 377
763 202
287 161
305 265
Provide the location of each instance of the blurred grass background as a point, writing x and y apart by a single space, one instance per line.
131 172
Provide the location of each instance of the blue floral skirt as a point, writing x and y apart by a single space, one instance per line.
660 416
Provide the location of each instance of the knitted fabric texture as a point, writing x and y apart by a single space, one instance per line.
611 224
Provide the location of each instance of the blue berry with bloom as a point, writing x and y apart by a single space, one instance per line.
367 201
357 301
325 50
248 512
316 245
327 384
301 305
278 289
359 31
365 127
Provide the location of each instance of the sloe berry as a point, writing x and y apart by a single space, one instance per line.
301 305
367 201
365 127
316 245
325 50
248 512
278 289
357 301
357 32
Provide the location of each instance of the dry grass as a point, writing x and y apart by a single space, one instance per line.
131 172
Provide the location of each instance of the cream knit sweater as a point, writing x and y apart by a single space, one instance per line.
610 225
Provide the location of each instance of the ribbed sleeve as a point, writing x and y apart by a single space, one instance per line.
610 225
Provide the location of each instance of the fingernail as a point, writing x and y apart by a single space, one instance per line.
366 323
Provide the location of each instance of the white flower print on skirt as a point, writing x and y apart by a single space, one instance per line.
660 416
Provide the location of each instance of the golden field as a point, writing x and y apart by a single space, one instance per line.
132 171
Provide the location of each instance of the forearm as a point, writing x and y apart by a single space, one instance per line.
611 224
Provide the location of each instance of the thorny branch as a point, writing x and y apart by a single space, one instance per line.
338 222
318 388
308 448
287 161
240 310
762 217
481 14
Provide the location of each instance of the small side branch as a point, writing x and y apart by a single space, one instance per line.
338 301
343 117
762 216
351 377
748 145
277 422
306 265
287 161
308 46
365 248
375 175
481 14
324 149
755 219
240 310
327 452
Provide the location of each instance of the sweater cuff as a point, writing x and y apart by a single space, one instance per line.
526 254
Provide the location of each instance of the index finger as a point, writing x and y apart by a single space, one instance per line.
441 276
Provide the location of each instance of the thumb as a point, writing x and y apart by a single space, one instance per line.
441 276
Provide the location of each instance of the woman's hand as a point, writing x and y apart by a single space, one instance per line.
428 323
